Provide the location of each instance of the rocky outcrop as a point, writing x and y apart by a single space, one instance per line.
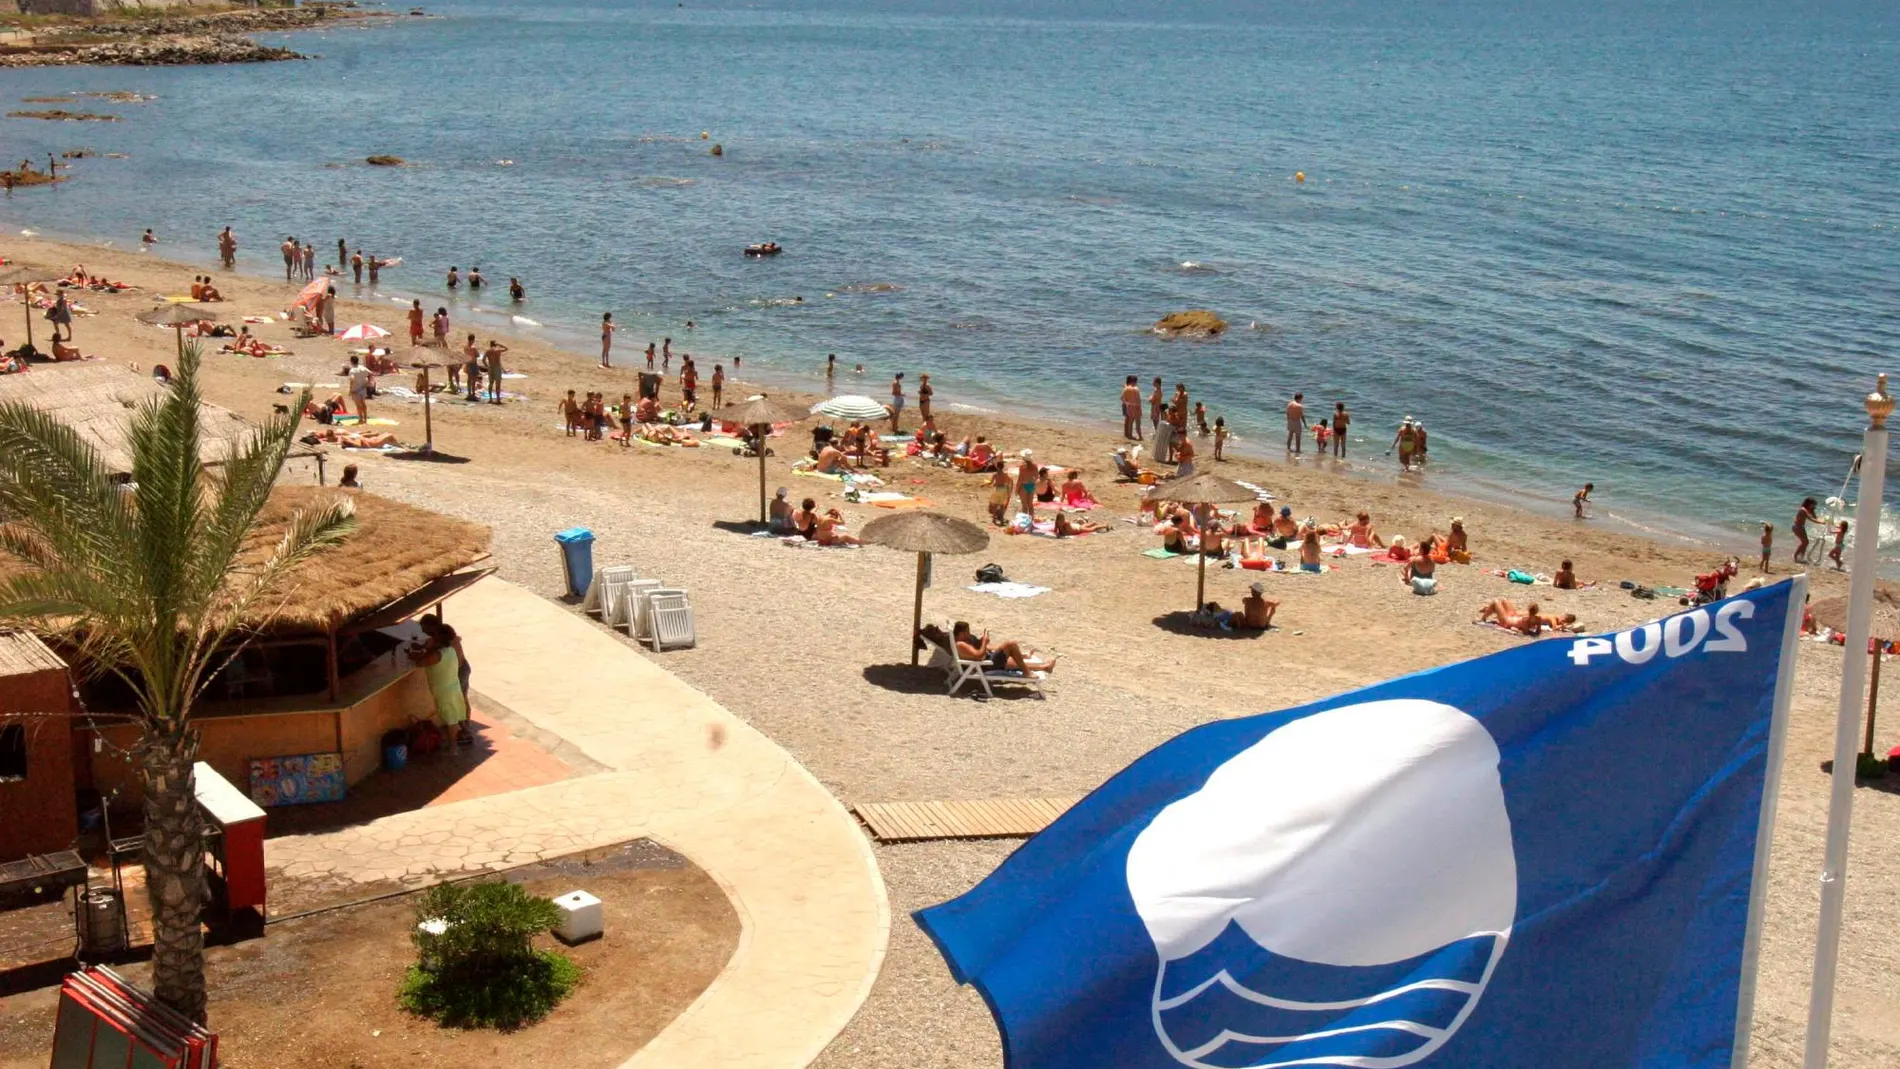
159 52
1194 323
384 161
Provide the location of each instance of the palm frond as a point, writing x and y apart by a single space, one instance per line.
244 484
55 483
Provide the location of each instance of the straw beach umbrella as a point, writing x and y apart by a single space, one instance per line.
1203 489
177 316
22 275
924 533
761 412
851 406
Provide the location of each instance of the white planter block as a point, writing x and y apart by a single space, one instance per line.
580 917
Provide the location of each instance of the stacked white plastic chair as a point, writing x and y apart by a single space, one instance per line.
669 620
601 592
633 606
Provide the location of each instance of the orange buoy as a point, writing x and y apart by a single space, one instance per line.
1299 176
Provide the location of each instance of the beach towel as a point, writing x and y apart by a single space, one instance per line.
1163 554
374 421
1009 590
904 503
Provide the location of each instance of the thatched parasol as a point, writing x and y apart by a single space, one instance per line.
1832 613
177 316
1203 489
423 361
924 533
761 411
22 275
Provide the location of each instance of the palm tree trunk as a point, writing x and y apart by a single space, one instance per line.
174 870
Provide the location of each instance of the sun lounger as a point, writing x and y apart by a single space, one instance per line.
961 673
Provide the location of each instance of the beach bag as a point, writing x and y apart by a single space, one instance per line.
990 573
1516 576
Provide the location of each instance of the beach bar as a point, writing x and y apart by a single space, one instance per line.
299 715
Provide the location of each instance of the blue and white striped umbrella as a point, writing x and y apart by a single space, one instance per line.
851 406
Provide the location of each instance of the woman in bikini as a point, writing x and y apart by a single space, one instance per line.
999 497
1361 534
1309 549
1507 616
830 530
805 520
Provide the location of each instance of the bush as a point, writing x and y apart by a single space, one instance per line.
476 965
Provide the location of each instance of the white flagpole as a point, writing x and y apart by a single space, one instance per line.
1765 831
1840 810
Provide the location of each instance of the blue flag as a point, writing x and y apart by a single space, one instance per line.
1538 859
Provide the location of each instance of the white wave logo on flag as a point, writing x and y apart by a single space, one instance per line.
1339 893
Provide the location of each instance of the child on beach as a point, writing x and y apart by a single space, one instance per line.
1000 492
627 411
719 385
1840 543
1581 499
1767 544
1322 436
1220 436
415 322
571 410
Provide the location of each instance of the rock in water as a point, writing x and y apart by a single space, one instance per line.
1194 323
384 161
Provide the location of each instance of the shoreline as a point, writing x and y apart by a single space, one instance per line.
567 339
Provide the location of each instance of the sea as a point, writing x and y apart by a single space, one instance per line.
1650 245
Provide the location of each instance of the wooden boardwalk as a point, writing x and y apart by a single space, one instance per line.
999 818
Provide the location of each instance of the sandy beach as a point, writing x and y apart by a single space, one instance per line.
810 645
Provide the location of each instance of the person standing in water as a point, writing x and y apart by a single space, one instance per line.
475 279
606 339
831 370
454 281
1582 498
897 400
1341 418
924 393
227 248
1156 402
1296 424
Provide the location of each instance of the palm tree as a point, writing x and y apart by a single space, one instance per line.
158 584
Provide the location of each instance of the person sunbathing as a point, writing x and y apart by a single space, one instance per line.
1075 495
1398 551
1309 549
1002 656
1256 610
1560 621
1457 551
197 288
667 434
1508 616
647 411
981 457
1566 577
831 530
805 520
1285 530
1213 538
246 344
1178 535
62 351
1420 572
1066 528
832 461
1127 470
1362 535
210 292
357 439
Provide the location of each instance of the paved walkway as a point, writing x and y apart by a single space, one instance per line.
684 772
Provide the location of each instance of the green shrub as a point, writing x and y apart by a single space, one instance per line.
482 970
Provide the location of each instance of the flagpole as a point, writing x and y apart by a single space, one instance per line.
1765 830
1840 811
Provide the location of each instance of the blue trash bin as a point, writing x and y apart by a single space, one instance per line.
577 558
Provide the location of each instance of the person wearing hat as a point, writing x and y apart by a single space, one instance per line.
1285 529
1406 442
1457 549
1256 612
782 513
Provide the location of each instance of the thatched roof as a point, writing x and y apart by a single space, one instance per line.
395 550
96 399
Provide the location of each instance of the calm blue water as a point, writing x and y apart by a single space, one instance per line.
1653 245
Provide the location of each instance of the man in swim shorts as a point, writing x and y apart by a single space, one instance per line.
1296 423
